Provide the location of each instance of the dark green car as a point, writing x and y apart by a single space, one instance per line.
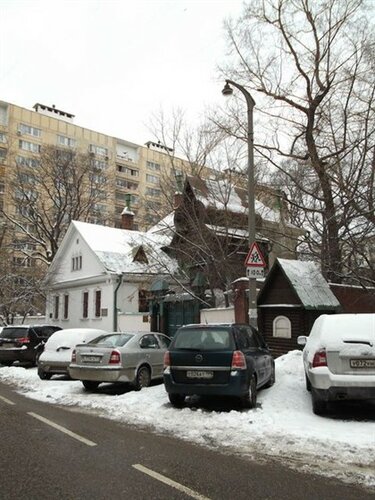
218 359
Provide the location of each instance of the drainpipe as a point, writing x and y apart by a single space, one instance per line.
119 281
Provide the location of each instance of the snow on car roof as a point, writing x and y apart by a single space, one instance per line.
338 330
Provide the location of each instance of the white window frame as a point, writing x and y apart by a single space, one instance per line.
29 130
282 332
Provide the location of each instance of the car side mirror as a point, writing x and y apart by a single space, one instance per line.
301 340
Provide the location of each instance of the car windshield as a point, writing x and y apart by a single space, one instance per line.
203 339
114 340
14 333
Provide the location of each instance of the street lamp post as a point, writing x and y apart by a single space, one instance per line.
227 90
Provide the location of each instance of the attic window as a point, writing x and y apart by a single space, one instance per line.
77 263
140 256
282 327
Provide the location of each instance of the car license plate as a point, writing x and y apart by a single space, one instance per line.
91 359
362 363
199 374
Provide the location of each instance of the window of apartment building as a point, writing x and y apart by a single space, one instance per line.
127 184
99 164
85 305
98 150
62 140
22 261
3 138
153 192
151 165
3 154
97 207
98 303
56 304
153 179
2 187
66 306
26 195
29 146
28 130
98 179
128 171
25 246
76 262
25 211
23 161
134 199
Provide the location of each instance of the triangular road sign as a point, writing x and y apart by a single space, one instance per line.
254 257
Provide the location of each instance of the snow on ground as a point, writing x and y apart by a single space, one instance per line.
282 427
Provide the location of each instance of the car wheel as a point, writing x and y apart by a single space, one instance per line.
272 378
44 375
249 400
318 404
308 383
90 385
176 400
143 378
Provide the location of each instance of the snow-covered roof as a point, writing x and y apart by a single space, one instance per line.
115 248
309 284
220 194
164 227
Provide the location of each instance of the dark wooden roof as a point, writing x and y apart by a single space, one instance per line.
297 283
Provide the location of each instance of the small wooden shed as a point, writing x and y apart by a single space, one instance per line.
294 294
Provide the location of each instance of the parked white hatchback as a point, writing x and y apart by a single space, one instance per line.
57 353
339 359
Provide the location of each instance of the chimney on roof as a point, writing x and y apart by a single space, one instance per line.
179 189
127 216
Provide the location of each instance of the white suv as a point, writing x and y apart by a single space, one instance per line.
339 359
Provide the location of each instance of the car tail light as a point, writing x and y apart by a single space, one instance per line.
320 358
238 361
167 359
115 358
23 340
74 356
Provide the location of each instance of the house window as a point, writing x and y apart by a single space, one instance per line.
142 301
77 263
56 307
85 305
98 303
62 140
66 306
28 130
282 327
3 138
29 146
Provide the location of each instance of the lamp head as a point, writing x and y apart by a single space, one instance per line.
227 90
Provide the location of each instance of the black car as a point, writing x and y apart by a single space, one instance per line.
23 343
220 359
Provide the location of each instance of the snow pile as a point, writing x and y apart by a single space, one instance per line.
282 426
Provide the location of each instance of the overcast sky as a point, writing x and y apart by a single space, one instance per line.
114 63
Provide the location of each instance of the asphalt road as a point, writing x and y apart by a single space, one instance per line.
48 452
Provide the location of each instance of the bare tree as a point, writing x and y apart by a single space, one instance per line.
311 64
49 191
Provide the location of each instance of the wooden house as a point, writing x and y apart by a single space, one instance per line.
294 294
